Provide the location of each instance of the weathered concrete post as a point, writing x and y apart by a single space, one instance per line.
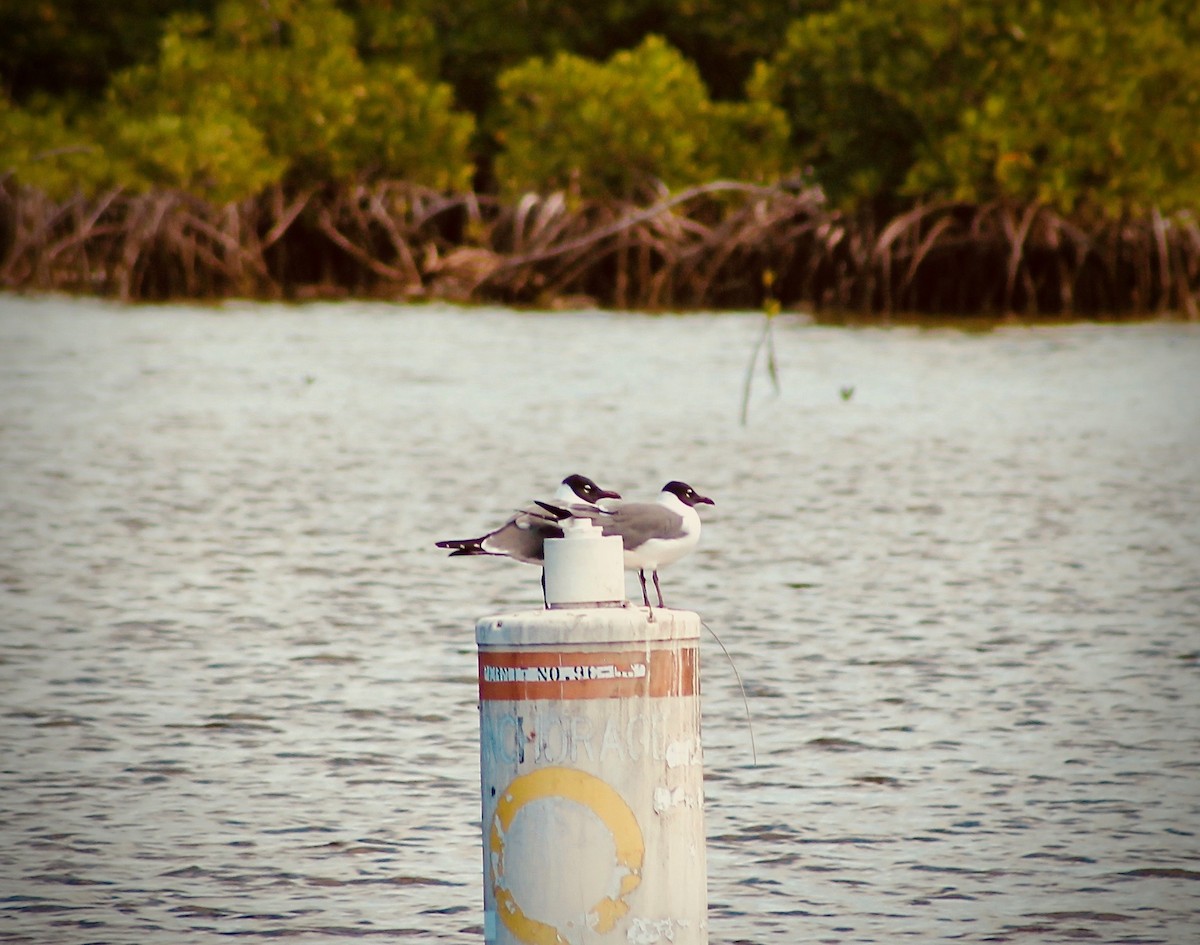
593 828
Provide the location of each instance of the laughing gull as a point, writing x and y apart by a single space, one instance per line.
654 533
521 537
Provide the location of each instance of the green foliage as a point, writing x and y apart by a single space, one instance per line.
479 39
264 92
393 31
293 67
746 141
623 127
1070 104
407 129
1099 108
1086 107
207 149
842 78
40 147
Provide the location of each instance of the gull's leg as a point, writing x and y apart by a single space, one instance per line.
545 599
659 590
645 596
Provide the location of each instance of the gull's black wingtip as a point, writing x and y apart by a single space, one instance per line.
557 511
463 546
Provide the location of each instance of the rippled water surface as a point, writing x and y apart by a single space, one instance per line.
238 682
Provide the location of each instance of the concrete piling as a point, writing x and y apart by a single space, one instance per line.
590 760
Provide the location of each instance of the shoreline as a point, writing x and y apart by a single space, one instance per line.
724 246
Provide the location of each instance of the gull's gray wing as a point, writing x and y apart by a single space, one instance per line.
522 535
637 522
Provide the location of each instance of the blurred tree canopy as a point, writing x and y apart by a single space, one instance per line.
264 91
1087 107
1072 104
624 127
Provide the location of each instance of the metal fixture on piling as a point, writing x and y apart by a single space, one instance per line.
591 769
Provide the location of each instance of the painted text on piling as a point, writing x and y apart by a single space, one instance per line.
560 673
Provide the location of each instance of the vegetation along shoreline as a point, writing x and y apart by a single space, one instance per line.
855 160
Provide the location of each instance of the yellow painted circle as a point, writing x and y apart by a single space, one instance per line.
598 797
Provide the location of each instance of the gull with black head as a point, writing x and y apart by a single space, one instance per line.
521 537
654 534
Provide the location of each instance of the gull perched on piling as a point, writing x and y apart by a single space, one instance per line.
654 534
521 537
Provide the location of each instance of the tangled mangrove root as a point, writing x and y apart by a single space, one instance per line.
705 247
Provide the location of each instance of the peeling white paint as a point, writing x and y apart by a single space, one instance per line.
654 931
683 752
666 798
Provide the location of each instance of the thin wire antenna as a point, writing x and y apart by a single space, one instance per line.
745 701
